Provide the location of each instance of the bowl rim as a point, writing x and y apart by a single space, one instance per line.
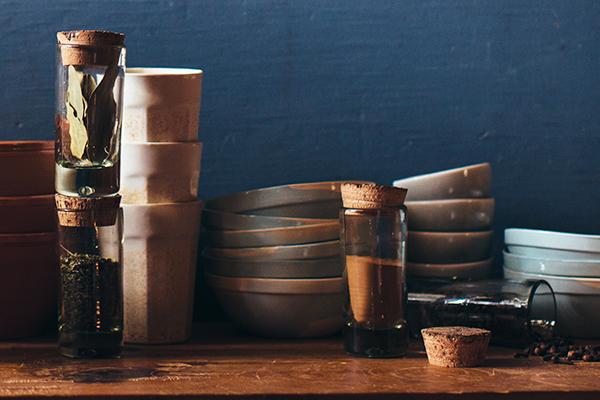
27 239
466 234
162 71
556 240
484 201
194 143
27 200
586 285
275 285
479 166
13 146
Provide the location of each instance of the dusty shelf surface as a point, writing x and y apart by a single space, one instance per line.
220 362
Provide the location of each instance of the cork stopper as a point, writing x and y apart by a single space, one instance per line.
455 346
87 211
369 195
90 47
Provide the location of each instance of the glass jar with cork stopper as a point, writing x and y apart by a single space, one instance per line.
373 240
91 289
89 93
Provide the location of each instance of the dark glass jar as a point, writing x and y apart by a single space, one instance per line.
373 239
91 289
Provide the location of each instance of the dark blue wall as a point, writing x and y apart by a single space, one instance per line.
311 90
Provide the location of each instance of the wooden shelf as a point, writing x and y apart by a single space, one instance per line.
219 363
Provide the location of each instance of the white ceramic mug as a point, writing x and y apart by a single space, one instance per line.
159 268
160 172
161 104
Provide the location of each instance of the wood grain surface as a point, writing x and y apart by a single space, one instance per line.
220 363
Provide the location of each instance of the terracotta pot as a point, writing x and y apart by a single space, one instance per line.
27 214
28 284
27 168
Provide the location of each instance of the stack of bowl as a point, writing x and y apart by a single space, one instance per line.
29 264
273 258
159 185
570 263
450 214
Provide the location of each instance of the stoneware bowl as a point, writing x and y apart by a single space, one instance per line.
472 181
27 214
577 301
472 270
290 252
275 236
221 220
159 253
448 247
160 172
451 215
282 308
283 269
303 200
29 280
161 104
27 168
552 245
535 265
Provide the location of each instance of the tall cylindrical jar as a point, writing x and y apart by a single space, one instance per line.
91 288
373 239
89 96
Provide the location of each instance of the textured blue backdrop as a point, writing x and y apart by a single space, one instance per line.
312 90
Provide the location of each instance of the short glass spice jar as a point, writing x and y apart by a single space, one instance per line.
91 288
89 96
373 240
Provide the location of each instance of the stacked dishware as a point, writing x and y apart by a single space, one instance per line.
29 273
273 258
450 214
570 263
159 184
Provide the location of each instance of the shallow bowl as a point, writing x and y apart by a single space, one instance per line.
552 245
283 308
27 214
448 247
471 181
536 265
472 270
451 215
281 269
290 252
221 220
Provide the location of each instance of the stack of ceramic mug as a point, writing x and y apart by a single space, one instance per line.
450 214
273 258
570 263
159 185
28 259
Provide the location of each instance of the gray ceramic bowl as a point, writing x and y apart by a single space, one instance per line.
281 269
221 220
552 245
473 270
471 181
536 265
275 236
291 252
453 215
448 247
283 308
577 301
303 200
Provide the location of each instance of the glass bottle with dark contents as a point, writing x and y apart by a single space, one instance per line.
373 243
91 289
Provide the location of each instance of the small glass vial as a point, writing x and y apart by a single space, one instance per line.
89 100
91 288
373 239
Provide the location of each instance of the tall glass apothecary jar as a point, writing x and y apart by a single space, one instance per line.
373 240
89 100
91 287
